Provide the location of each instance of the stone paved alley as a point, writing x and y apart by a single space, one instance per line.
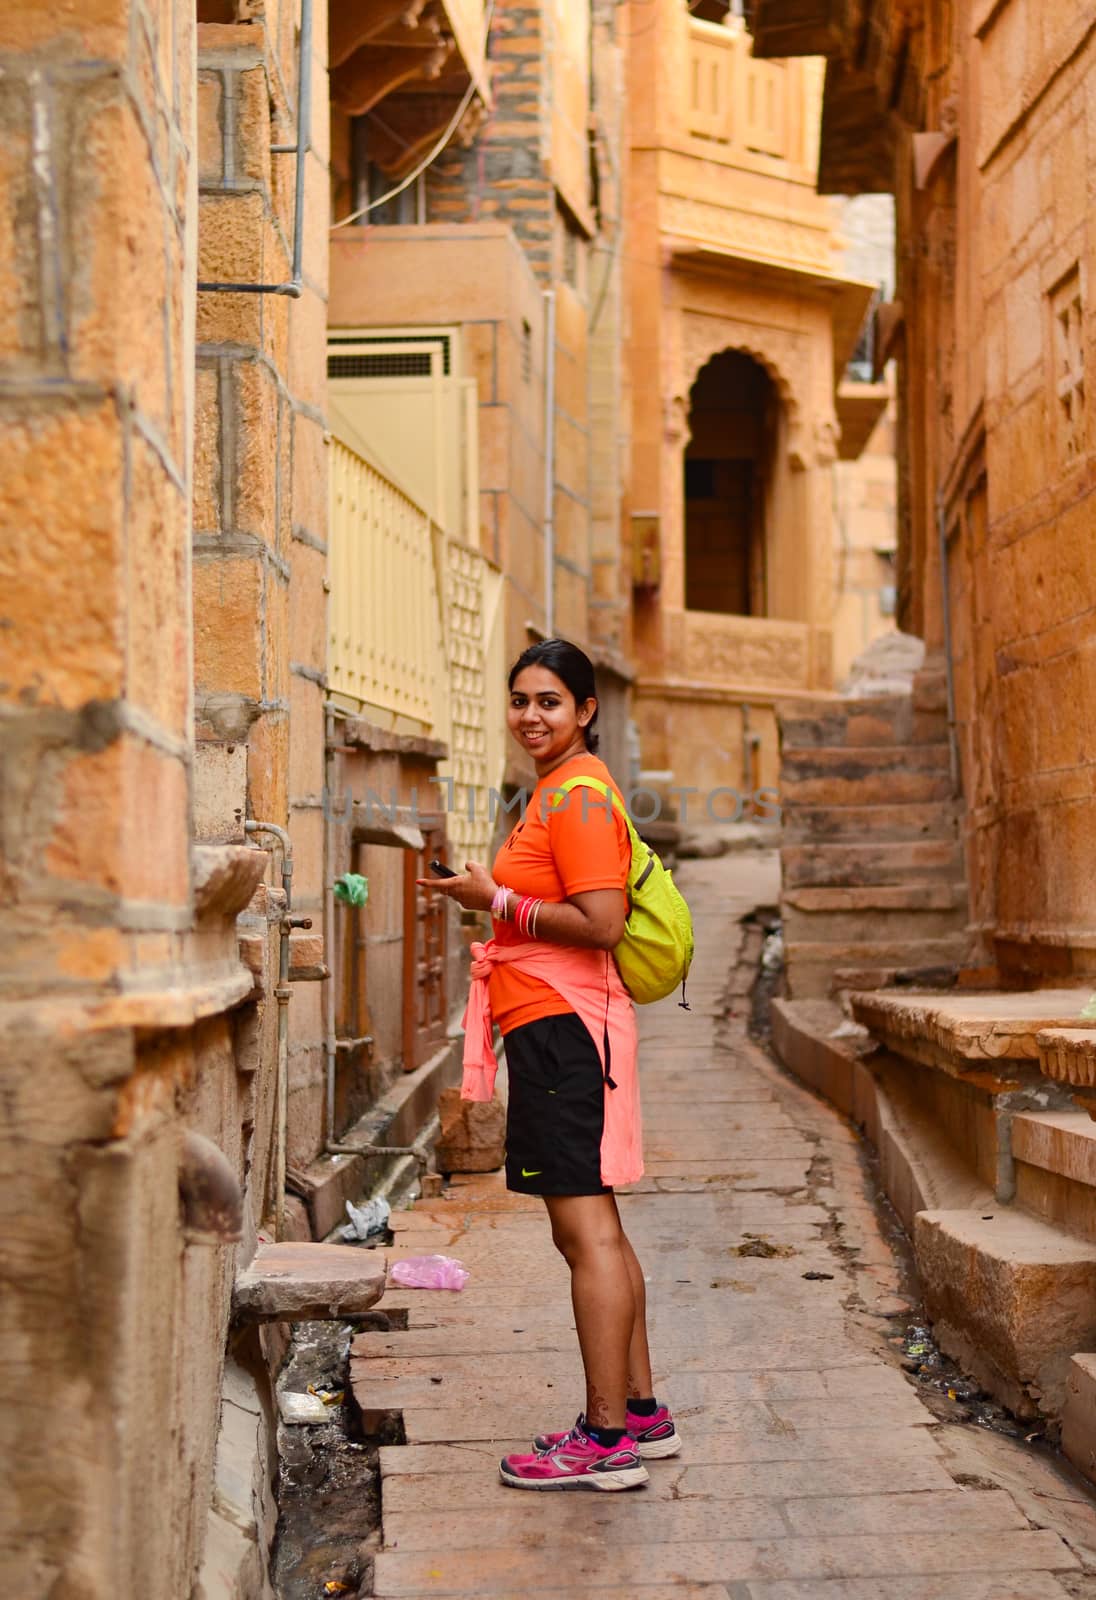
811 1466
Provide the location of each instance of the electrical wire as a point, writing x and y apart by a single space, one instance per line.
451 128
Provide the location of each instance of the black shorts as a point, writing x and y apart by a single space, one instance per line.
556 1110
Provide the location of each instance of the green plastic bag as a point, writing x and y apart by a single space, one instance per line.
352 889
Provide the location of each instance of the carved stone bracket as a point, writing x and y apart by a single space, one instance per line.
225 878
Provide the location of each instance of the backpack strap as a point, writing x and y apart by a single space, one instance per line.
583 782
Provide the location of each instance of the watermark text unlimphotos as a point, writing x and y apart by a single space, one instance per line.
685 804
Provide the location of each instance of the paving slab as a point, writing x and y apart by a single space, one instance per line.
811 1469
534 1571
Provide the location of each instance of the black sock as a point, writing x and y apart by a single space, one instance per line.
606 1437
643 1408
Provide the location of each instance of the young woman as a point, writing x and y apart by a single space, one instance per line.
548 978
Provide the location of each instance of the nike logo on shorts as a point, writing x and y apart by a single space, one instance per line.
535 1174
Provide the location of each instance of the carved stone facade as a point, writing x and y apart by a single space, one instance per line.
731 253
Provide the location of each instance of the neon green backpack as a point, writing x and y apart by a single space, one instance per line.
656 951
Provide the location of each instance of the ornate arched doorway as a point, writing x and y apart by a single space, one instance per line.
735 417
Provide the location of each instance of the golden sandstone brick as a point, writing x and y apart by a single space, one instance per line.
230 250
121 823
210 136
60 486
228 599
157 592
207 451
268 768
117 289
98 27
258 452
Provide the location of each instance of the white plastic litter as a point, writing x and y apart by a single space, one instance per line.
301 1407
366 1220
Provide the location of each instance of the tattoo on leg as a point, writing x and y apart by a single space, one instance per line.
597 1408
633 1389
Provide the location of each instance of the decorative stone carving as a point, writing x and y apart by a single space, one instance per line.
784 355
738 650
826 437
675 421
778 238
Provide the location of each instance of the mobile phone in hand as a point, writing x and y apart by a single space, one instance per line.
439 870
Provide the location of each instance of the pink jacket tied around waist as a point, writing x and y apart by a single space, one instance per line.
591 985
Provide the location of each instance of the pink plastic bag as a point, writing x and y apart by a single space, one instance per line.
429 1272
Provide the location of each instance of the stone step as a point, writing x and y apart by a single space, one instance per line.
846 776
1079 1414
819 865
855 823
816 969
304 1282
930 689
915 895
1012 1298
878 722
847 928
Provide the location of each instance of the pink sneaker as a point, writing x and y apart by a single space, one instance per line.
576 1461
655 1437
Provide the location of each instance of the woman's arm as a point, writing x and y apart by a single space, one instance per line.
593 920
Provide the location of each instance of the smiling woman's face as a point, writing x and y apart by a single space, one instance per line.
544 719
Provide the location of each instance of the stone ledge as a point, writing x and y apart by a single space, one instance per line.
363 735
297 1282
1010 1296
990 1039
225 878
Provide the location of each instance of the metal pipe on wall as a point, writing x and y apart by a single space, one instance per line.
329 926
301 150
282 995
549 462
945 611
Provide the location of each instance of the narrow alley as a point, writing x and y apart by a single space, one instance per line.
811 1468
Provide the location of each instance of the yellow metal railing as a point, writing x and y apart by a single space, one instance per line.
384 612
416 631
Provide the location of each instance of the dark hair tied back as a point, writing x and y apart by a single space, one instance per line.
572 666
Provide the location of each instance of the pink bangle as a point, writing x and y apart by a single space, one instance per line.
499 903
521 915
533 919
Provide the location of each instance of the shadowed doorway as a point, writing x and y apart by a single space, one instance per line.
733 422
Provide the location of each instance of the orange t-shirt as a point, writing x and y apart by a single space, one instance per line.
563 847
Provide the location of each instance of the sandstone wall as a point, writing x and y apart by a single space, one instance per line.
996 262
100 1422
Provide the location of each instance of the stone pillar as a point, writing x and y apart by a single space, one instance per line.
96 363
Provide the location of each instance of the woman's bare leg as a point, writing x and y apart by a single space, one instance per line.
640 1381
586 1231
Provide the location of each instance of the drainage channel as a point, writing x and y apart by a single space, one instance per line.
950 1393
329 1508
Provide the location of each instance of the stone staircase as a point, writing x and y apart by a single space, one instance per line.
871 861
